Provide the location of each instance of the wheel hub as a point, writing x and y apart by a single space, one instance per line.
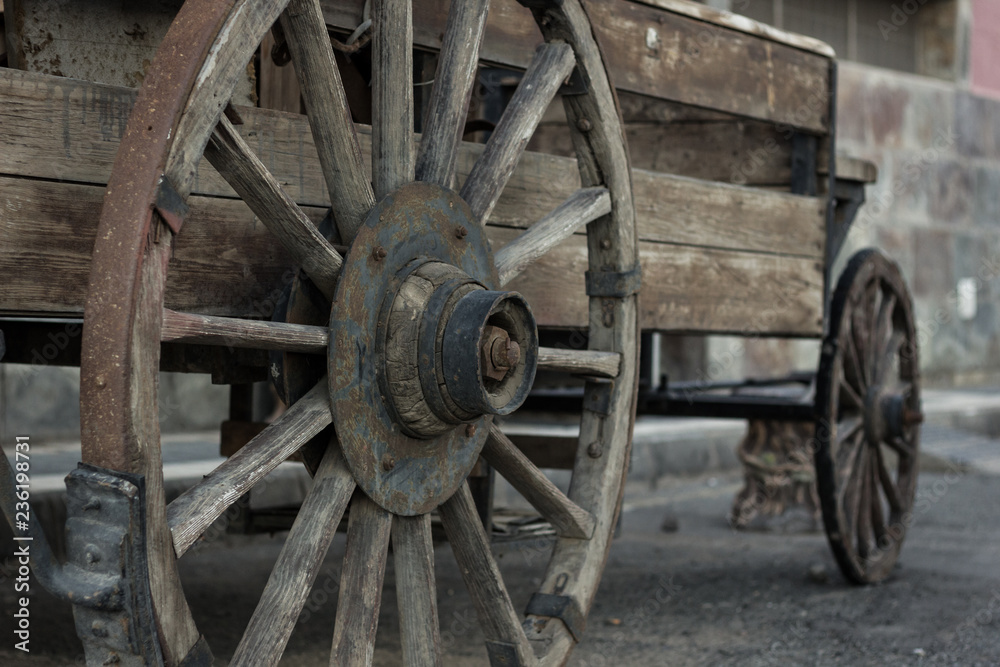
423 349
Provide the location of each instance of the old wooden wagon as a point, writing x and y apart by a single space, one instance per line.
401 288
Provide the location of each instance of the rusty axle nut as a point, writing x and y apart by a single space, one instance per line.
379 253
461 232
911 417
505 354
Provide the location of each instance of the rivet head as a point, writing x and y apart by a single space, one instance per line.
461 232
379 253
92 554
595 449
606 244
388 463
470 430
584 125
101 382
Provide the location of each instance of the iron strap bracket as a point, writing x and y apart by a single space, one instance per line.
618 284
597 395
170 204
562 607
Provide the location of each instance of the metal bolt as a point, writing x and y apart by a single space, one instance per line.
584 125
112 659
93 503
461 232
98 630
91 554
498 353
606 244
388 463
505 354
379 253
470 430
101 382
595 449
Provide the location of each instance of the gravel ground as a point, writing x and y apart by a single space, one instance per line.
700 595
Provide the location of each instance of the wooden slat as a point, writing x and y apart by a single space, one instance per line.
568 518
243 170
450 95
416 594
497 618
580 362
298 563
361 578
549 68
686 290
392 95
232 332
195 509
583 206
329 116
691 60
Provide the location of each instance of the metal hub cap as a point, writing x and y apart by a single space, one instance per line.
423 352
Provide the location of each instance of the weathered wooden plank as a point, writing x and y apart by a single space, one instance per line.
68 130
568 518
687 289
687 59
224 263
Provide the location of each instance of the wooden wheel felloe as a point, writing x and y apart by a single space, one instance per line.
424 345
868 431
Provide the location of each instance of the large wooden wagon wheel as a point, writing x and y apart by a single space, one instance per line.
423 348
868 431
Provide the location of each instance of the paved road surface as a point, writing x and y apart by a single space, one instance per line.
703 595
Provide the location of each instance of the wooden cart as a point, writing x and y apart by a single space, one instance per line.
400 311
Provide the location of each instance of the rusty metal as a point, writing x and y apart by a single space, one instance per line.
414 225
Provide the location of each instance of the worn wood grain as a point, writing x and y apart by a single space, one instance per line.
497 618
361 578
298 563
691 60
329 116
243 170
392 95
195 509
416 593
579 362
549 68
568 518
232 332
449 103
583 206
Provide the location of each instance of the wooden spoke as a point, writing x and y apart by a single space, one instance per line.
868 347
888 484
549 68
232 332
499 621
886 356
862 508
568 518
449 103
392 95
847 460
194 510
877 514
902 447
416 595
852 358
583 206
333 130
883 326
852 394
243 170
580 362
298 563
360 596
849 428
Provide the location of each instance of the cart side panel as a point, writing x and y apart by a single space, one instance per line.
715 256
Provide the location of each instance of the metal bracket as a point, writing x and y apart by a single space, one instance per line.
106 534
502 654
619 284
597 395
562 607
170 205
804 151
